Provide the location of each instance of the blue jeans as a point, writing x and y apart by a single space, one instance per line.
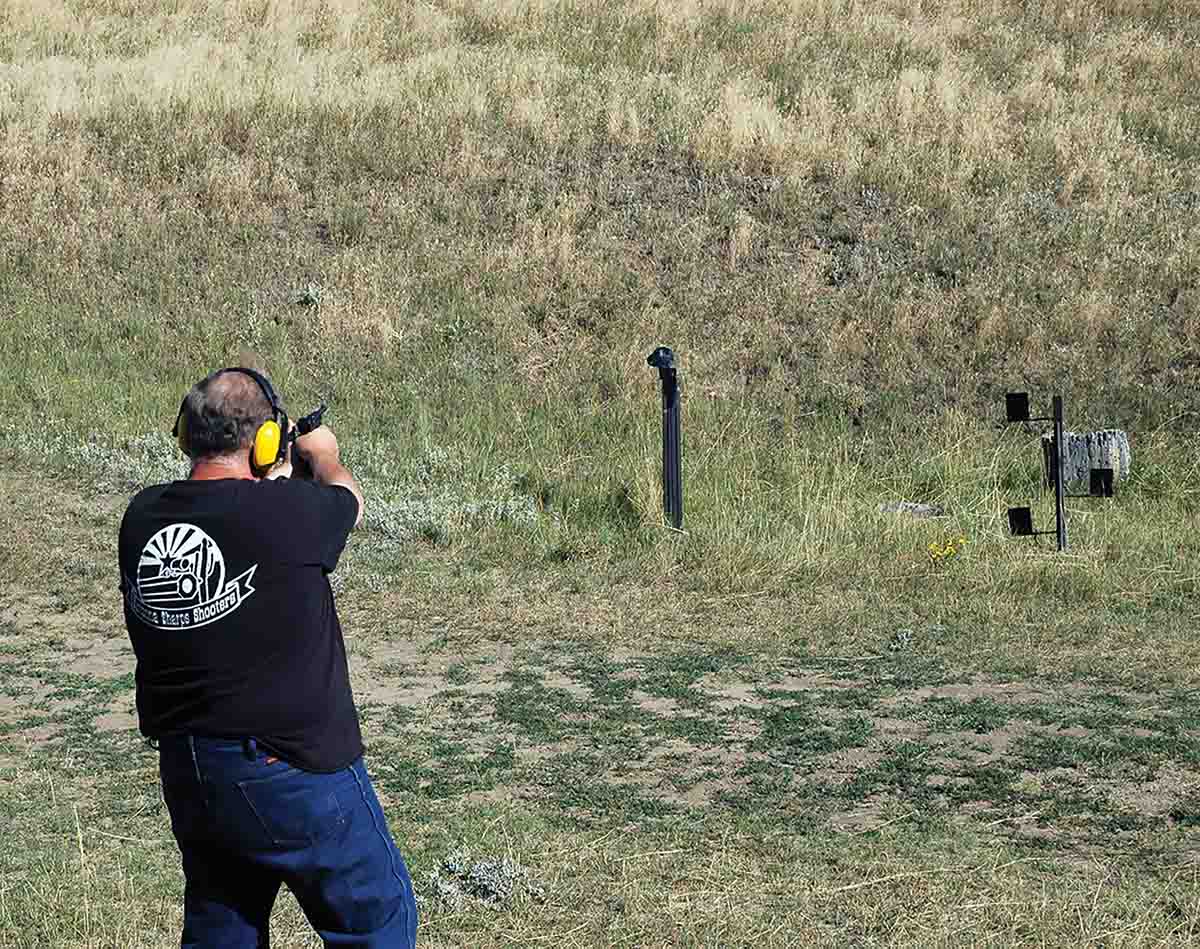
246 823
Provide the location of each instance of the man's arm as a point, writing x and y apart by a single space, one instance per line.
319 450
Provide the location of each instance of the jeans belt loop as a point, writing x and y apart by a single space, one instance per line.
249 748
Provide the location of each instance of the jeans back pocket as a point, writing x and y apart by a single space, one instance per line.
294 807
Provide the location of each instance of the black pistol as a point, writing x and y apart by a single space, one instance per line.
303 426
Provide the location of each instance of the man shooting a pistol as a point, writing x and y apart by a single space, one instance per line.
242 677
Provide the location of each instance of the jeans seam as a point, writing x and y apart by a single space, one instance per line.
382 836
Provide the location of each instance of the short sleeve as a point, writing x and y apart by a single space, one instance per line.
339 512
320 518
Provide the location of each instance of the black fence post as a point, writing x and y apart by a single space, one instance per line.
663 360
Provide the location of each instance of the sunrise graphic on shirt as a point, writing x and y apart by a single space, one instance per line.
180 566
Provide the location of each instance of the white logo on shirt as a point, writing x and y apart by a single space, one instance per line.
181 583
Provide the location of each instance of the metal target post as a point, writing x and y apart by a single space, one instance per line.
1060 504
663 360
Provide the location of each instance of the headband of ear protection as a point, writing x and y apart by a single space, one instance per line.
270 447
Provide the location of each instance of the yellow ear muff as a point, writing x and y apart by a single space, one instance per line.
266 444
181 432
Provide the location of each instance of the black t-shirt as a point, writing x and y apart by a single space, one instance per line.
229 608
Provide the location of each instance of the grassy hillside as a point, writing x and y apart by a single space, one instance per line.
841 208
465 225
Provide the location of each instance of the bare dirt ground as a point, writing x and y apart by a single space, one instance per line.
852 746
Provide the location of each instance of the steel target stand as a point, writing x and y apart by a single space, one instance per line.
1020 519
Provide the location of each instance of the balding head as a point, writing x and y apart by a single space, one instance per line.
221 414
